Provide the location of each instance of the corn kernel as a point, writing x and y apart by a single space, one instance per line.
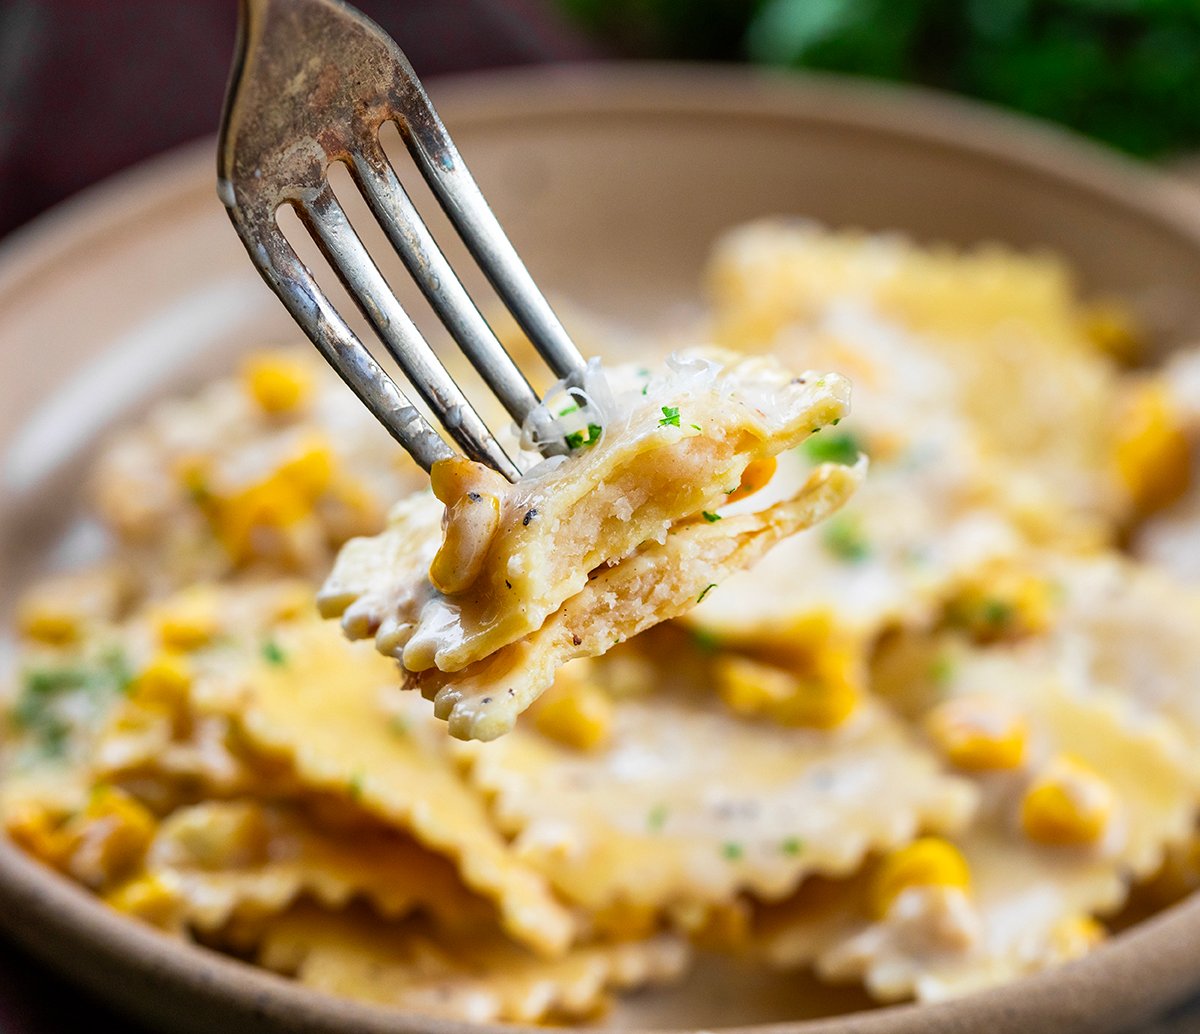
187 622
47 623
926 862
39 832
147 898
1152 454
165 680
978 735
310 471
755 476
1003 603
109 837
1068 805
576 713
823 699
1111 327
277 383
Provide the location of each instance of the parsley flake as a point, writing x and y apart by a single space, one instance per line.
842 448
670 417
657 818
273 653
731 850
584 439
845 540
707 589
792 846
712 518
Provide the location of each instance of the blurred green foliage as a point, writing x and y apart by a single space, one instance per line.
1125 71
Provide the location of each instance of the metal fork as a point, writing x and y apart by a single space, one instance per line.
313 82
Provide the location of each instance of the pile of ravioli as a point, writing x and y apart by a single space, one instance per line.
929 723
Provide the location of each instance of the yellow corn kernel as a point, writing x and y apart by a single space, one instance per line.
277 383
1003 603
311 470
1076 936
576 713
165 680
109 837
1152 454
48 623
823 699
188 621
147 898
978 735
755 476
471 524
37 831
1111 327
1068 805
926 862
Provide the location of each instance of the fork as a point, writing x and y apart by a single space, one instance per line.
313 82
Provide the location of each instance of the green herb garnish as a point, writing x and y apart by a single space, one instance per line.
707 589
584 439
572 408
712 518
705 641
670 417
845 540
842 448
273 653
792 846
657 818
731 850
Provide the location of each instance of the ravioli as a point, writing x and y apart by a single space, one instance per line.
513 558
1033 887
478 977
684 805
656 583
331 711
223 861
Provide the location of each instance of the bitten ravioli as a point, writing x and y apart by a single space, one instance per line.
591 549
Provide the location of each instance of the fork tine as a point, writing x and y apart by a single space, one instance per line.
460 197
413 242
354 266
288 277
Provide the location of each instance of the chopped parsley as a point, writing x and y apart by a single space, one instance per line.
792 846
697 427
842 448
998 613
567 410
941 670
712 518
584 439
398 725
705 641
273 653
845 540
39 707
731 850
670 417
707 589
657 818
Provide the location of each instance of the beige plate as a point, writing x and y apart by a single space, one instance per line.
612 183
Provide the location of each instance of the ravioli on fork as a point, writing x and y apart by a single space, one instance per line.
484 589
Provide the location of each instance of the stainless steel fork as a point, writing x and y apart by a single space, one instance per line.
313 82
